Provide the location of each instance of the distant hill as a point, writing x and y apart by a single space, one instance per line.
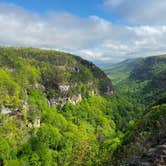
120 71
143 82
145 77
122 66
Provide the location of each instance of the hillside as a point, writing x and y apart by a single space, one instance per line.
61 110
145 142
61 76
143 77
143 82
57 109
120 71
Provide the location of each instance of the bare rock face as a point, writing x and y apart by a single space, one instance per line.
35 124
9 111
75 99
14 111
155 156
64 88
61 101
109 91
39 86
5 110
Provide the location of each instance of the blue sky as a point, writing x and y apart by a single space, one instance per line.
80 8
74 6
102 31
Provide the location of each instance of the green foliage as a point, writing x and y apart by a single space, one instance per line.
147 132
72 135
10 91
141 80
88 133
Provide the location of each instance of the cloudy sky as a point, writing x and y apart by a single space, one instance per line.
102 31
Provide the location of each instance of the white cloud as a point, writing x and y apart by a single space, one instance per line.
92 38
59 30
137 11
149 30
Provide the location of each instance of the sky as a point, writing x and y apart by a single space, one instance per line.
102 31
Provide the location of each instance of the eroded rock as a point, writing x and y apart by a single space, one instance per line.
155 156
5 110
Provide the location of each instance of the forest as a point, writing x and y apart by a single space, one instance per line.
57 109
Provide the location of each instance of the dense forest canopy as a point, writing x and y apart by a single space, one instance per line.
143 82
59 109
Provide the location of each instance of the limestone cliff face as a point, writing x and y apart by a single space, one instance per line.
64 96
64 88
59 76
5 110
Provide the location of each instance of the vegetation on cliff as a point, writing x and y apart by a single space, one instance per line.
58 109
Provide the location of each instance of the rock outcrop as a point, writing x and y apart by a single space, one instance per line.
35 124
155 156
5 110
61 101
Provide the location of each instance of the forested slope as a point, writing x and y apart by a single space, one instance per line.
145 142
143 83
57 109
61 110
141 80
